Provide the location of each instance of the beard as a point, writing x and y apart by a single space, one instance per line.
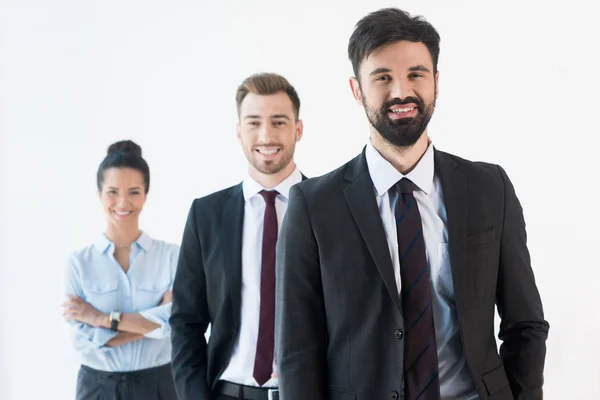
403 132
269 167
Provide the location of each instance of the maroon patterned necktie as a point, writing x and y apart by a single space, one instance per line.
265 345
421 379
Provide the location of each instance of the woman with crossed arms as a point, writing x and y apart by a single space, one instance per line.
119 292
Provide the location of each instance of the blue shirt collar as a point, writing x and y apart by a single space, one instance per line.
103 243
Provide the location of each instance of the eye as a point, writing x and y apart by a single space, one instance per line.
253 123
279 123
111 192
415 75
135 192
383 78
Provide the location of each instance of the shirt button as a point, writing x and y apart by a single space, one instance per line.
393 395
399 334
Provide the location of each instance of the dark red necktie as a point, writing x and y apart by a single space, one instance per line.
421 379
265 345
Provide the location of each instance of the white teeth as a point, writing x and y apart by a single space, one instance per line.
123 212
268 151
402 110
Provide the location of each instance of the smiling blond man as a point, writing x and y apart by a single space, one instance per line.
226 272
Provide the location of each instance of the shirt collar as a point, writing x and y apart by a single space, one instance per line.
144 241
384 175
103 243
251 188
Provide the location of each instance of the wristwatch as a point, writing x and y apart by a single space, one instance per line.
114 318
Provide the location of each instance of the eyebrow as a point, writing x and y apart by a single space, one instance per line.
283 116
132 188
382 70
274 116
419 67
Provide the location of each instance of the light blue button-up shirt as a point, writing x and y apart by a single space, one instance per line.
94 275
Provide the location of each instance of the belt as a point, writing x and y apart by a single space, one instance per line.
247 392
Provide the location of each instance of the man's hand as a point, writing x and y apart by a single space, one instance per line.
76 309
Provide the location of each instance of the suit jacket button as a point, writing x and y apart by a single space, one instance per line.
399 334
393 395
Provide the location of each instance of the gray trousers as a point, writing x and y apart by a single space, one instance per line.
147 384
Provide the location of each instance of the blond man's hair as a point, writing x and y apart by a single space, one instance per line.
265 84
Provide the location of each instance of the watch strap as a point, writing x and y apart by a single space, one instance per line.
114 319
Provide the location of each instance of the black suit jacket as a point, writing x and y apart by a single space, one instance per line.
337 304
207 290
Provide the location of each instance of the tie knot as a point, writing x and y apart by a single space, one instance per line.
269 195
405 186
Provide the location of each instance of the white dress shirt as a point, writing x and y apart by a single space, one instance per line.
455 378
241 366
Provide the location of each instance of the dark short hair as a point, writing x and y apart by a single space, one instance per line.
124 154
265 84
390 25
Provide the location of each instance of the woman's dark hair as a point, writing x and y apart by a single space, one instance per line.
386 26
124 154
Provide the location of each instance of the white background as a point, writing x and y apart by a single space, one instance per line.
518 87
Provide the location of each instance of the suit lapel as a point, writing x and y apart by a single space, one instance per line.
454 188
360 196
230 233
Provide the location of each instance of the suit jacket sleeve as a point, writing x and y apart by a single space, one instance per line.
523 329
301 330
190 317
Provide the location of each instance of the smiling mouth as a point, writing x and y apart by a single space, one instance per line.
397 110
122 213
268 151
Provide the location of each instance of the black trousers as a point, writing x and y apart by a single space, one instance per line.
146 384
